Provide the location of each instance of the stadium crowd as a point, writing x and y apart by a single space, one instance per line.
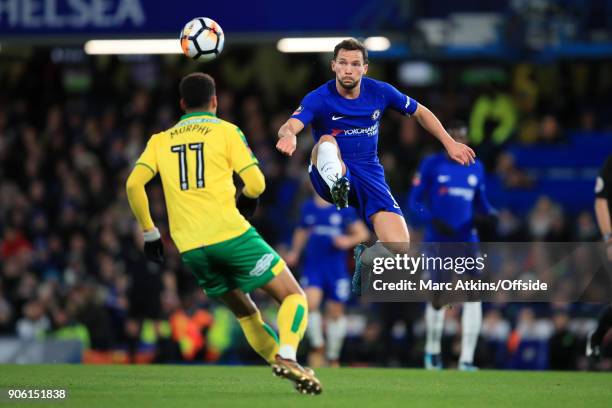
71 264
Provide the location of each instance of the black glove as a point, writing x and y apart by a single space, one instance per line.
153 247
246 205
442 227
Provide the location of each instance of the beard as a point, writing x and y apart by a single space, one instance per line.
348 86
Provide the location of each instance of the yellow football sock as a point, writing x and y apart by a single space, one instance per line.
292 322
260 336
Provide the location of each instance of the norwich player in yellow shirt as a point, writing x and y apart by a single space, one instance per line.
196 160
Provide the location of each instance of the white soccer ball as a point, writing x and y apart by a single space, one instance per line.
202 39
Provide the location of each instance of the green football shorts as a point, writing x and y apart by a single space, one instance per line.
246 262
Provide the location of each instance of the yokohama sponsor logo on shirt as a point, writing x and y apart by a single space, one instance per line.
369 131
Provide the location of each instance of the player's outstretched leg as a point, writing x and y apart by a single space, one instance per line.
292 322
259 335
326 158
393 238
434 325
356 282
471 321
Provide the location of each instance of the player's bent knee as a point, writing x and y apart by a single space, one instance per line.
283 285
327 138
390 227
315 150
244 312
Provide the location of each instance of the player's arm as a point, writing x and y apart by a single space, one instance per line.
603 218
421 183
303 115
459 152
404 104
139 203
137 196
486 215
244 162
254 185
481 201
357 232
298 242
603 192
287 134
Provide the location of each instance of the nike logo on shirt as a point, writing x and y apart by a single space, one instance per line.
337 117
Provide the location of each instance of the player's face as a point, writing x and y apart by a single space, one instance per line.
349 68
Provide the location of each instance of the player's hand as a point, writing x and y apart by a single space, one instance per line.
343 242
442 227
461 153
287 144
246 205
153 247
292 258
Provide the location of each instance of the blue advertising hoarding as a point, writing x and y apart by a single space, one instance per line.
145 17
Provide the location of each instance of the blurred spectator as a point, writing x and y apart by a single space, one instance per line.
564 345
550 130
510 227
6 316
586 229
13 243
510 175
545 221
34 322
494 326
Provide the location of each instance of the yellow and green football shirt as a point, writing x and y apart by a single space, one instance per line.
195 160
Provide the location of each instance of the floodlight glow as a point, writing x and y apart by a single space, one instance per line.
377 43
152 46
327 44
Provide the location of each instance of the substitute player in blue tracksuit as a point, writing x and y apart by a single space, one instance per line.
446 196
322 239
345 116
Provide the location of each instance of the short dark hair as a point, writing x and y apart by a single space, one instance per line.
457 127
197 90
351 44
456 124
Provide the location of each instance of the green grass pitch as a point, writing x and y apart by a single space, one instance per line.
214 386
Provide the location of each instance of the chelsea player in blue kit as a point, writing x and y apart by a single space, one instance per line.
446 196
345 116
321 240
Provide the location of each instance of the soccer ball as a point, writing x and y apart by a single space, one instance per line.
202 39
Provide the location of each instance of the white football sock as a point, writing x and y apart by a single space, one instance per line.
287 352
328 163
315 329
336 332
434 325
471 321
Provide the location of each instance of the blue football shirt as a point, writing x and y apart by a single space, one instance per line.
353 122
325 223
451 192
